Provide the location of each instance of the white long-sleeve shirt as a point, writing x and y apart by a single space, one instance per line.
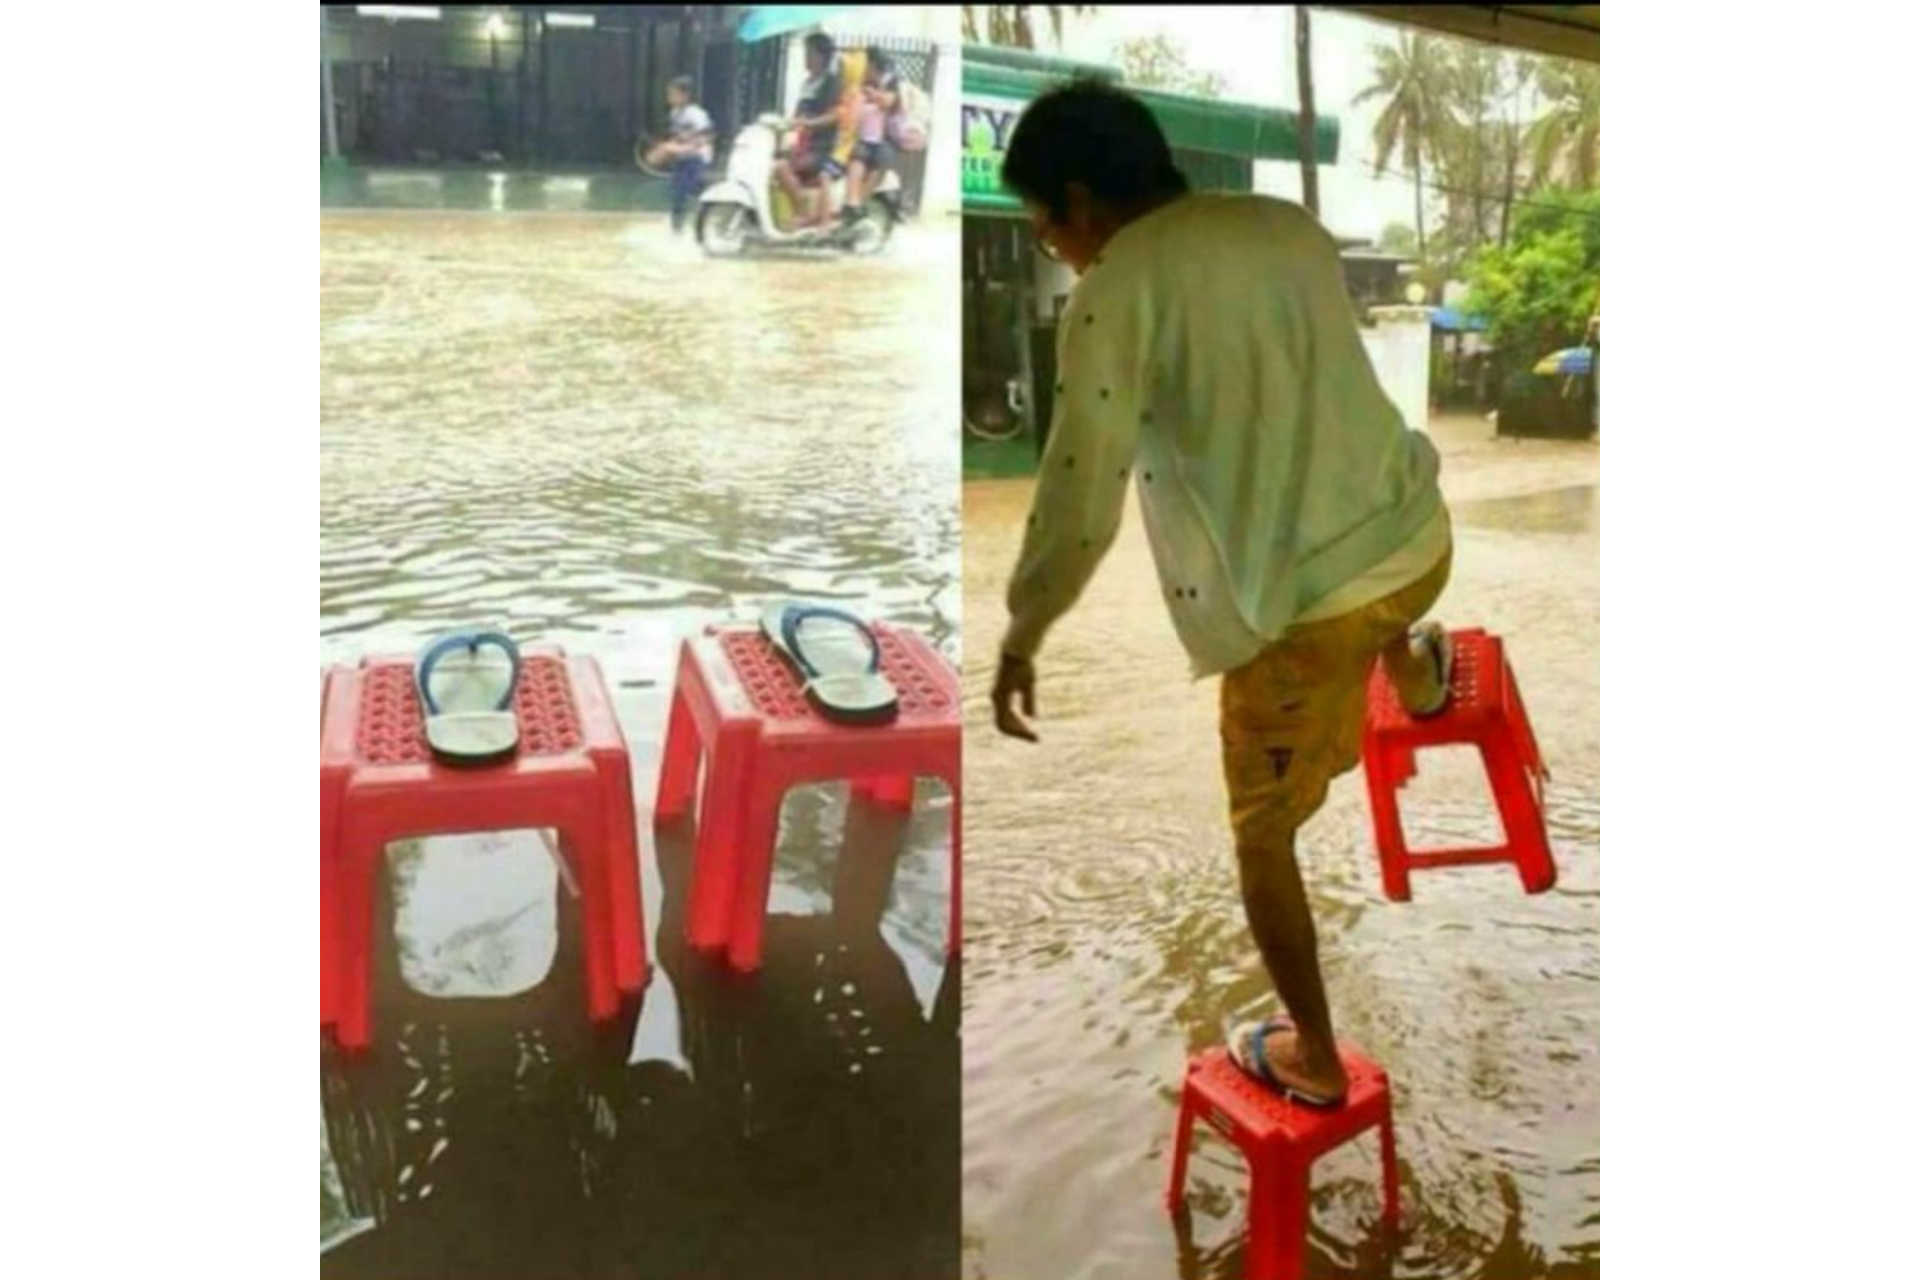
1211 354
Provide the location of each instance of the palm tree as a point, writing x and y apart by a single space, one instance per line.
1011 24
1566 140
1412 78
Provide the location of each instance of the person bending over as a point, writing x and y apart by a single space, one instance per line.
1209 355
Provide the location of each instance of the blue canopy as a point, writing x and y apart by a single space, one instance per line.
1452 321
765 20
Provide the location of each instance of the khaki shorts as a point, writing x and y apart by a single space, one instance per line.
1290 720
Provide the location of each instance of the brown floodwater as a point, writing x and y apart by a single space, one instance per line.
573 426
1106 943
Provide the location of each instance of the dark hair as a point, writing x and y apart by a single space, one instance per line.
1095 134
877 57
683 83
821 43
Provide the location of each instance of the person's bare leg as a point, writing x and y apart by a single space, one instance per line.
856 179
790 183
1282 926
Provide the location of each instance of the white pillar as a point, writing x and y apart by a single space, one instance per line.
940 197
1400 343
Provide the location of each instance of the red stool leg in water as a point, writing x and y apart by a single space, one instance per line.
1277 1226
330 785
679 762
365 856
753 862
1515 797
623 879
716 849
1388 836
1182 1140
577 846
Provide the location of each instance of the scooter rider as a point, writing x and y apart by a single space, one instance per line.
807 170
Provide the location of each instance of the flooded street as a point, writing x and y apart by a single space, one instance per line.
1106 942
573 426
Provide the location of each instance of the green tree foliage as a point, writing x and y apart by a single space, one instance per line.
1565 142
1011 24
1398 237
1160 62
1538 291
1412 77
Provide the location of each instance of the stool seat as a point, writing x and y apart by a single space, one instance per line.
1484 711
740 707
1280 1139
379 783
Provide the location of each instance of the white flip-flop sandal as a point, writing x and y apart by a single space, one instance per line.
466 697
841 672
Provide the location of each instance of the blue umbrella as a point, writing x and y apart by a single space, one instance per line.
1566 360
765 20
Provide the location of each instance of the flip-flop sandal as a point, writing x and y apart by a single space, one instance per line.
843 683
467 700
1247 1046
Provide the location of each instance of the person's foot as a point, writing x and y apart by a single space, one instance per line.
1278 1056
1432 646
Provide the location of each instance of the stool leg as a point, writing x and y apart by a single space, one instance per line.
1389 1170
365 857
715 849
1513 795
753 860
623 876
679 762
585 852
1277 1223
1388 836
1182 1139
329 893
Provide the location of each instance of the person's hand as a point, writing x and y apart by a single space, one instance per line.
1014 680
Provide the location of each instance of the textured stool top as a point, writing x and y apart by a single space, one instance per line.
928 689
391 729
1477 665
1264 1114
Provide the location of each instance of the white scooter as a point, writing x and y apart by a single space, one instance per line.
736 213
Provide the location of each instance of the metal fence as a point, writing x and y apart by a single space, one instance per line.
492 85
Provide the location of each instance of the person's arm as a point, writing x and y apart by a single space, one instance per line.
1082 490
830 113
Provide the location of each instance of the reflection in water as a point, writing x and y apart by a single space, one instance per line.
577 428
1106 941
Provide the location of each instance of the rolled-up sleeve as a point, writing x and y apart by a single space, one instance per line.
1097 408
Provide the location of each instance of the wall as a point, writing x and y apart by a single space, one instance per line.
1399 342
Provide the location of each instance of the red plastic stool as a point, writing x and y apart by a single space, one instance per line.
379 783
739 705
1280 1140
1485 712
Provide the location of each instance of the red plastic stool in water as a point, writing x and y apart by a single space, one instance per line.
1280 1140
379 783
739 705
1485 712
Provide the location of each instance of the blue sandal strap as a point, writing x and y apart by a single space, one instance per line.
471 642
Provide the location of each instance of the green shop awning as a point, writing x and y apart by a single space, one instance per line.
996 84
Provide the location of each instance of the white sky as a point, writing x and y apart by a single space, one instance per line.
1251 47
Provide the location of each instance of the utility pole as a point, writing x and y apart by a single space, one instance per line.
1303 63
